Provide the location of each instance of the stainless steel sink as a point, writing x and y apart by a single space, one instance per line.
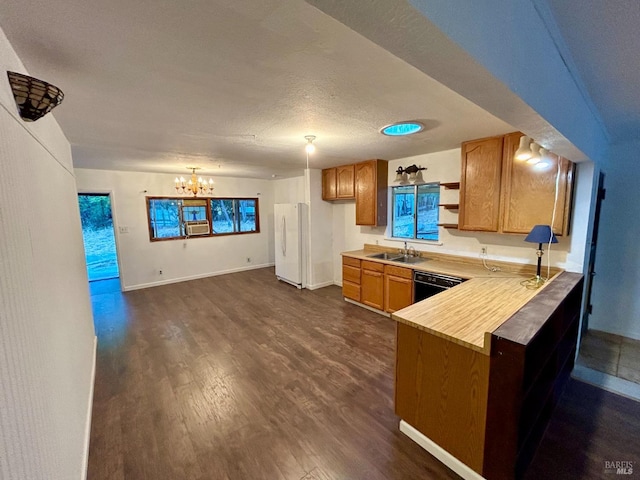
395 257
407 259
385 256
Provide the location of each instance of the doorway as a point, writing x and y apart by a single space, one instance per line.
99 236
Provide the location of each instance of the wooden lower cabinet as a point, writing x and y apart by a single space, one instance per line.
398 288
351 278
372 284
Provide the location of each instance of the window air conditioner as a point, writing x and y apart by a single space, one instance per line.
200 227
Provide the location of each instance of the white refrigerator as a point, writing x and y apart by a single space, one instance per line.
290 221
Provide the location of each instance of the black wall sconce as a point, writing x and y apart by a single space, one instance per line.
34 98
411 170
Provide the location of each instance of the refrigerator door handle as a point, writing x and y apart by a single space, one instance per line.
283 240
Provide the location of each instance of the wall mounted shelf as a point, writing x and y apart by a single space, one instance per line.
450 206
451 185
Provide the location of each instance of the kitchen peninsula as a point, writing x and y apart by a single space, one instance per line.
480 367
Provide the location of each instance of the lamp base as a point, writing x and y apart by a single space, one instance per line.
533 282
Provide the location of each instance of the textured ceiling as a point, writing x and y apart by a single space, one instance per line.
231 86
604 49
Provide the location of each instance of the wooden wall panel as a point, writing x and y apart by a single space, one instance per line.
441 389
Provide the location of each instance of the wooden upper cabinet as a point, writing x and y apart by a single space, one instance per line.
528 192
329 184
501 194
480 185
371 192
345 182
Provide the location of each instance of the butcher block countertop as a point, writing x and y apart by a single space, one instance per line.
469 312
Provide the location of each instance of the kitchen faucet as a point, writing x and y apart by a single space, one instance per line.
407 251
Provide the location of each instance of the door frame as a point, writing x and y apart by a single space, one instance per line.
112 201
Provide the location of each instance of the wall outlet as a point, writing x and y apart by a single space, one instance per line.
248 259
159 272
483 250
123 229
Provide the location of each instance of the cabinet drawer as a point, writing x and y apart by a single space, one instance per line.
372 266
351 274
398 271
351 290
354 262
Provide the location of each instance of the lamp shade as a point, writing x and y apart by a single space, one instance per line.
541 234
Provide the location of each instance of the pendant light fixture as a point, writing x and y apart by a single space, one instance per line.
310 147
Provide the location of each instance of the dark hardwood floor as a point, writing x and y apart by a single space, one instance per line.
243 377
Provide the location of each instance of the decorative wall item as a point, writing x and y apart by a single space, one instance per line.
34 98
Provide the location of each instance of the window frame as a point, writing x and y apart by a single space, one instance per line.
209 215
414 236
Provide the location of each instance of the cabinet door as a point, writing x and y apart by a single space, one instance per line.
529 191
345 178
372 289
398 291
329 184
480 185
371 192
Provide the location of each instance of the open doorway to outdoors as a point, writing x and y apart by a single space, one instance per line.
99 240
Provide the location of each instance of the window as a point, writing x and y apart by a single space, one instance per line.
175 218
234 215
415 211
164 218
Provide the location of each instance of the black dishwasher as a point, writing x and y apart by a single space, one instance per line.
427 284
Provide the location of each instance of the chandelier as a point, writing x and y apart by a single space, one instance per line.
193 186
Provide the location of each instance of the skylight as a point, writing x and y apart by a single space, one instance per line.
402 128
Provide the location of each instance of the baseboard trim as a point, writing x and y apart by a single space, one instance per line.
607 382
440 453
87 428
320 285
194 277
371 309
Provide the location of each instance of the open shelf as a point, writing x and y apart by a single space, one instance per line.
450 206
451 185
448 225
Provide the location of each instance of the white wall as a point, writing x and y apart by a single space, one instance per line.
46 328
445 167
616 302
141 260
320 232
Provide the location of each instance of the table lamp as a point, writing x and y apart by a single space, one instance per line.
540 234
